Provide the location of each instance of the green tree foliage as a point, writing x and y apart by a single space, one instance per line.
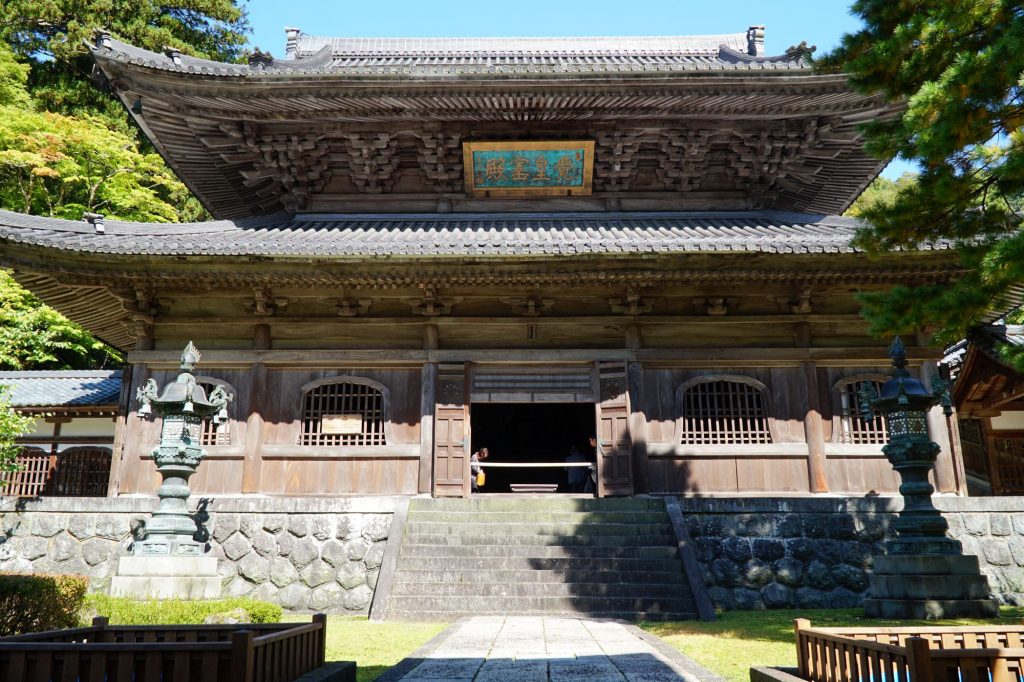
57 165
880 190
52 34
956 70
12 426
35 336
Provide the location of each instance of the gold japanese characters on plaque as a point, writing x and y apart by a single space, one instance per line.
523 169
341 424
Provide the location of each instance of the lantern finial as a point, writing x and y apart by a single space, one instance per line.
898 354
189 357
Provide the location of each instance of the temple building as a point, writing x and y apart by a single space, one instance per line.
423 247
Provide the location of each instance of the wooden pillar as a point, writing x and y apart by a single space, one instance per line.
120 426
945 480
814 431
638 427
428 383
252 465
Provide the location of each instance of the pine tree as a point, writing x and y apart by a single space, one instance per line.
955 71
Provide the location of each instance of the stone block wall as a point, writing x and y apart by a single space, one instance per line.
815 552
302 553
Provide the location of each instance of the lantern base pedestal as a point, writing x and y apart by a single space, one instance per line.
922 586
166 577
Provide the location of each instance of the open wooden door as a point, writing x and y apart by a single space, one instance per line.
451 433
614 459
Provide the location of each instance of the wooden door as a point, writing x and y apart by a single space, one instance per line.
451 433
614 458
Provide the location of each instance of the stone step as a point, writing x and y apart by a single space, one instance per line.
428 605
555 575
402 615
539 517
445 539
416 528
544 590
488 564
537 504
542 551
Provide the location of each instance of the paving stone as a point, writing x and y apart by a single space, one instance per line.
356 549
274 523
254 568
224 525
358 599
282 572
1000 524
317 573
376 527
304 552
375 556
62 548
97 550
249 524
236 547
976 524
82 526
298 525
264 543
112 527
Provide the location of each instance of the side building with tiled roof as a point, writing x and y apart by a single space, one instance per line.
68 450
423 247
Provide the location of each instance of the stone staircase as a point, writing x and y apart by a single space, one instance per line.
605 558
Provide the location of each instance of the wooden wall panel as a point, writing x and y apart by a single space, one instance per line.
281 405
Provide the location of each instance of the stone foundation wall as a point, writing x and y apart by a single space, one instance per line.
815 552
302 553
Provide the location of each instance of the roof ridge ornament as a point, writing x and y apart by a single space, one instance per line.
801 51
260 59
102 38
291 44
755 41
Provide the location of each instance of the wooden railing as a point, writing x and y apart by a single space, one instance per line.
276 652
910 654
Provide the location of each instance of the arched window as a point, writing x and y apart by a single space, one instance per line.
721 410
216 432
344 410
82 472
848 427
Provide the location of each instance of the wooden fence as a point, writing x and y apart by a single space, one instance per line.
275 652
75 472
910 654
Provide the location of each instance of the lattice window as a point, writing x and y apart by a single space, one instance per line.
972 443
32 477
723 410
851 428
1009 460
215 432
344 411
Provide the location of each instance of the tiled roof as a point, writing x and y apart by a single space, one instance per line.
475 56
449 235
66 388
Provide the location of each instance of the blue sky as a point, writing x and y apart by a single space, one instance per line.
787 22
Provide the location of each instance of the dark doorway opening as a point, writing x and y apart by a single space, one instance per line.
530 433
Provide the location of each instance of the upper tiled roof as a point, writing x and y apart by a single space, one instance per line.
65 388
477 56
449 235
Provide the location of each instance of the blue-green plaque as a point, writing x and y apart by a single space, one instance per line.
503 169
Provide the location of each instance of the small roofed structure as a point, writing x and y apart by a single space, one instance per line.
69 450
989 397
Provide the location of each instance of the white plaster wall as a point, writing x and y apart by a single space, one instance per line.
88 426
1008 421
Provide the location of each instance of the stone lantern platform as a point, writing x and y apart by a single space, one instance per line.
167 561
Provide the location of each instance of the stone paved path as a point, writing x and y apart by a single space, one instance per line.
545 649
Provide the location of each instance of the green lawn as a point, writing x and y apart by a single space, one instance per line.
739 640
374 647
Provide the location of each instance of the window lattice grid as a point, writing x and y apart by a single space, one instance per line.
344 400
854 430
214 432
724 412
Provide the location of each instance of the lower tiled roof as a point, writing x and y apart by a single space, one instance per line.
63 388
455 235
